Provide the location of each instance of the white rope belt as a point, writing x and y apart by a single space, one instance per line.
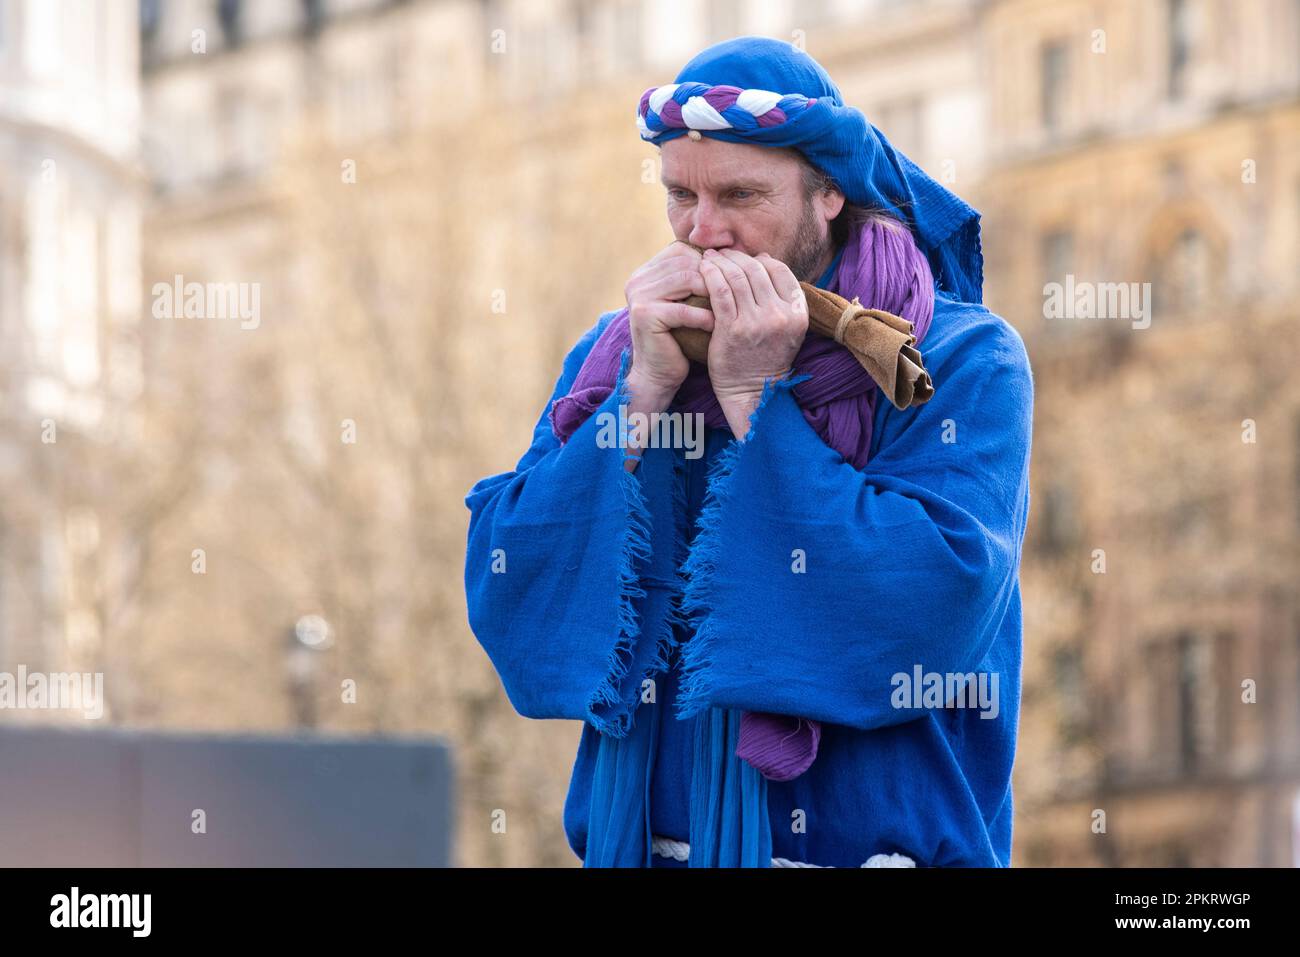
680 851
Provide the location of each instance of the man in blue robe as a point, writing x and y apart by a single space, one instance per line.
658 596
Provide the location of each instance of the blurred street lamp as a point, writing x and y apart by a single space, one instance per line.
310 635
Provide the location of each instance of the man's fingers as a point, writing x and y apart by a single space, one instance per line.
653 270
783 281
674 278
673 315
677 249
736 279
760 283
675 281
721 299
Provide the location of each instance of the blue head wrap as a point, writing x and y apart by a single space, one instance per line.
768 93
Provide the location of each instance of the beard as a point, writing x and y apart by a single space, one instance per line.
807 248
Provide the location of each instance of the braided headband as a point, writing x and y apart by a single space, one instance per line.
698 106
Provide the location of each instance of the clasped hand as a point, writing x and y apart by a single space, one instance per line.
757 323
760 320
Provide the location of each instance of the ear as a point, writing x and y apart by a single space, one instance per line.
830 203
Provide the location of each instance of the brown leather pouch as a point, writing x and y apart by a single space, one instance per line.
883 343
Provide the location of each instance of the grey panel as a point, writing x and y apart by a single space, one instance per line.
67 798
123 798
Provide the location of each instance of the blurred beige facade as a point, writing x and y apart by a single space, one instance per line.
1156 142
435 198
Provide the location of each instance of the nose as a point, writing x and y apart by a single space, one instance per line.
709 230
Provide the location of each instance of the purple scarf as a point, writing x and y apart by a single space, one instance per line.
884 269
881 265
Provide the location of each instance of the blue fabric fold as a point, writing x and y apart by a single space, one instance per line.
729 817
729 820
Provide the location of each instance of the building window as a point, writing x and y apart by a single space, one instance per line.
1159 691
1180 46
581 38
901 121
1226 656
1193 520
1196 701
1059 528
1056 254
1067 673
1056 262
150 18
230 15
1183 278
581 18
1296 498
313 16
1176 855
1052 84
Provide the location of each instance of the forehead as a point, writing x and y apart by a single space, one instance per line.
710 161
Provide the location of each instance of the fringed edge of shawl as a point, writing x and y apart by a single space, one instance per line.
636 549
702 562
667 640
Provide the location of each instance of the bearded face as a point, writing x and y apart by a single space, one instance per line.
748 198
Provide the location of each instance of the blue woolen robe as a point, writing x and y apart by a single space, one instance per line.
824 584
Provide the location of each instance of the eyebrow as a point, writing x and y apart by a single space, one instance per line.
725 187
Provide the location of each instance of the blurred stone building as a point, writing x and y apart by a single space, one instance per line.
1151 142
1155 142
70 354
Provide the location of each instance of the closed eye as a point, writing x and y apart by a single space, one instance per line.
681 195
